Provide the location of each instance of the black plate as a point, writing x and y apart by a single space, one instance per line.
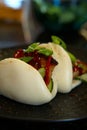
64 107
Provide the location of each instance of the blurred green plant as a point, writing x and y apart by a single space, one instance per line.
62 15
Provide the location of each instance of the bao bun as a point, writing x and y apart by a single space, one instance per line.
23 83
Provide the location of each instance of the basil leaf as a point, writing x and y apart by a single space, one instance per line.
26 59
59 41
44 51
41 50
72 57
32 47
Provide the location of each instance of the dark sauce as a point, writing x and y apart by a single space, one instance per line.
39 61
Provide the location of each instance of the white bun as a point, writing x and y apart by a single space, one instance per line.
23 83
62 73
75 83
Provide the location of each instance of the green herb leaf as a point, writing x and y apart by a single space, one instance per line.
26 59
32 47
72 57
41 50
82 77
44 51
59 41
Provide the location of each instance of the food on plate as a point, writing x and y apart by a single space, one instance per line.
36 74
